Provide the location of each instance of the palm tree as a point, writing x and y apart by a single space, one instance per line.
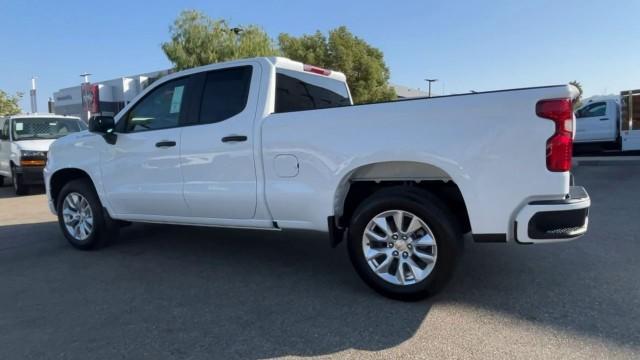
578 100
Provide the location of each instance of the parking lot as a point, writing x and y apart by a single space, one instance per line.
200 293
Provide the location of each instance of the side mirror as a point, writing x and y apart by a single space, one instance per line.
104 125
101 124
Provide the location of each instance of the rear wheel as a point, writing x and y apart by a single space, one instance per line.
404 243
81 217
18 184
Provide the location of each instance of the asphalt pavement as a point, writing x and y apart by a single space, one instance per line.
171 292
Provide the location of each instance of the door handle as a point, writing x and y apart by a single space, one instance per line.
165 144
603 119
234 138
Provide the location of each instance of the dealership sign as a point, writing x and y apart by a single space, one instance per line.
90 98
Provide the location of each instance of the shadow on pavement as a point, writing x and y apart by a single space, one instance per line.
169 291
6 191
178 291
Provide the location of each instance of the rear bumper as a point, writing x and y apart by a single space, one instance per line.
31 175
554 220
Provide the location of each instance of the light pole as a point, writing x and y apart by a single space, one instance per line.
430 81
85 76
32 93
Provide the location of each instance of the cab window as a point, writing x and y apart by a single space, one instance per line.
298 91
160 109
593 110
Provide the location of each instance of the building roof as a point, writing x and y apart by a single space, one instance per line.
407 92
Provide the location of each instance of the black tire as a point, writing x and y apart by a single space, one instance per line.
18 185
104 229
437 217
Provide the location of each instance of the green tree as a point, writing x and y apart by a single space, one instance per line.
9 104
578 100
363 64
198 40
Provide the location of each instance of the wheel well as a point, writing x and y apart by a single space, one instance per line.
61 177
447 191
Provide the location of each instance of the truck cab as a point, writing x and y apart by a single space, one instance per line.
598 121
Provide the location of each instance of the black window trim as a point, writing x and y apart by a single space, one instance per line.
190 116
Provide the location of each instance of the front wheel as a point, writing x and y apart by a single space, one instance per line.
404 243
18 184
81 217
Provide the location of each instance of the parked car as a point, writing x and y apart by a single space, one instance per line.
273 144
24 142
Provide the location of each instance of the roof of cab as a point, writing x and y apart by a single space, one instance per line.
285 63
277 61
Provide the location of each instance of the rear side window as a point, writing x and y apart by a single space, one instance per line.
225 94
296 94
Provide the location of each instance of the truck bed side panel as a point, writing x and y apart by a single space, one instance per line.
492 145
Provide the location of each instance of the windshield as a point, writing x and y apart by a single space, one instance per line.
44 128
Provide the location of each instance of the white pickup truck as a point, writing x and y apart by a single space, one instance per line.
274 144
610 121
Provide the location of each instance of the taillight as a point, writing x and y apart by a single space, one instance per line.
317 70
560 145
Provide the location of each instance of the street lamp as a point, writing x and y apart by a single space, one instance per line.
430 81
85 76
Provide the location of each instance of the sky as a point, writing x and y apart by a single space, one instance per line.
467 45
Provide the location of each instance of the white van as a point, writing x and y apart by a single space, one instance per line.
24 143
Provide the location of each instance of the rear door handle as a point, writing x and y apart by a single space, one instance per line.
165 144
234 138
603 119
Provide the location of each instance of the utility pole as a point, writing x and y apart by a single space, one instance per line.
32 93
430 81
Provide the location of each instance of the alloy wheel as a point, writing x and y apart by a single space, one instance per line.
399 247
77 216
